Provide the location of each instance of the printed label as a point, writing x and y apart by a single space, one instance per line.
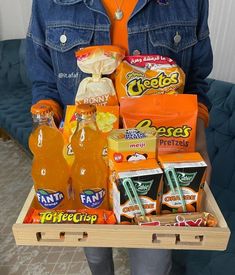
183 131
65 217
139 86
180 221
185 179
69 150
134 134
172 199
142 187
92 198
118 157
49 199
101 100
129 210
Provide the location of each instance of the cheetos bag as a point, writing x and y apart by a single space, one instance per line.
142 75
172 116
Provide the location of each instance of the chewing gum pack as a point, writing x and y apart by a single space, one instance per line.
136 189
131 145
107 119
184 178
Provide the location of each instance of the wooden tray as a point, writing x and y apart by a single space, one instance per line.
132 236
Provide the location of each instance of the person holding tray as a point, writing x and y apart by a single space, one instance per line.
174 28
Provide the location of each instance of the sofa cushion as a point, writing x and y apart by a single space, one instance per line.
22 55
9 60
15 114
15 91
221 143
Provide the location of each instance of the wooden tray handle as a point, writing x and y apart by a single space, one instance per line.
178 239
61 236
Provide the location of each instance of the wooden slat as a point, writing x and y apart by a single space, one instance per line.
199 238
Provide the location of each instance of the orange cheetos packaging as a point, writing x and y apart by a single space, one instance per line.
173 117
148 74
107 119
98 61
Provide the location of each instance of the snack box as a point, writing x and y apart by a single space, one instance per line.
127 236
136 188
190 172
127 145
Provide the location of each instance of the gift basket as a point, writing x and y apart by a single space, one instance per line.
122 170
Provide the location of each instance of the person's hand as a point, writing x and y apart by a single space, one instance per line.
56 108
201 146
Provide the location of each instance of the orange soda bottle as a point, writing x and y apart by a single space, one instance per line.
89 171
50 171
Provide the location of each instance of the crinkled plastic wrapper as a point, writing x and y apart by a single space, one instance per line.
148 74
83 216
200 219
98 61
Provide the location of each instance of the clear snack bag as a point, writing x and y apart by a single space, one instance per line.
98 61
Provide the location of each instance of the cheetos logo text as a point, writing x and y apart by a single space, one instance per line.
138 86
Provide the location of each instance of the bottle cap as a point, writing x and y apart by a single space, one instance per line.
85 109
41 109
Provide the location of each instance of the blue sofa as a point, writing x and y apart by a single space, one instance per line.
15 92
15 118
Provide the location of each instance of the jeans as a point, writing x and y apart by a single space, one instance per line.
142 261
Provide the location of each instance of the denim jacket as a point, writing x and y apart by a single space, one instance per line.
60 27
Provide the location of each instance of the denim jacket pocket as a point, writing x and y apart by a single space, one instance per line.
63 42
174 41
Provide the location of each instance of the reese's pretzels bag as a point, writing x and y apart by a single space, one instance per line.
98 61
172 116
148 74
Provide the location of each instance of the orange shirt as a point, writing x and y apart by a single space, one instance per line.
119 34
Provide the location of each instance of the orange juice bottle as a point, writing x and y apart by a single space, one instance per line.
50 171
89 172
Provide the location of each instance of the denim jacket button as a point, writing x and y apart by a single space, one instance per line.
177 38
136 52
63 38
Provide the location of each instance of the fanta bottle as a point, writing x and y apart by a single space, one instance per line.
89 172
50 171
